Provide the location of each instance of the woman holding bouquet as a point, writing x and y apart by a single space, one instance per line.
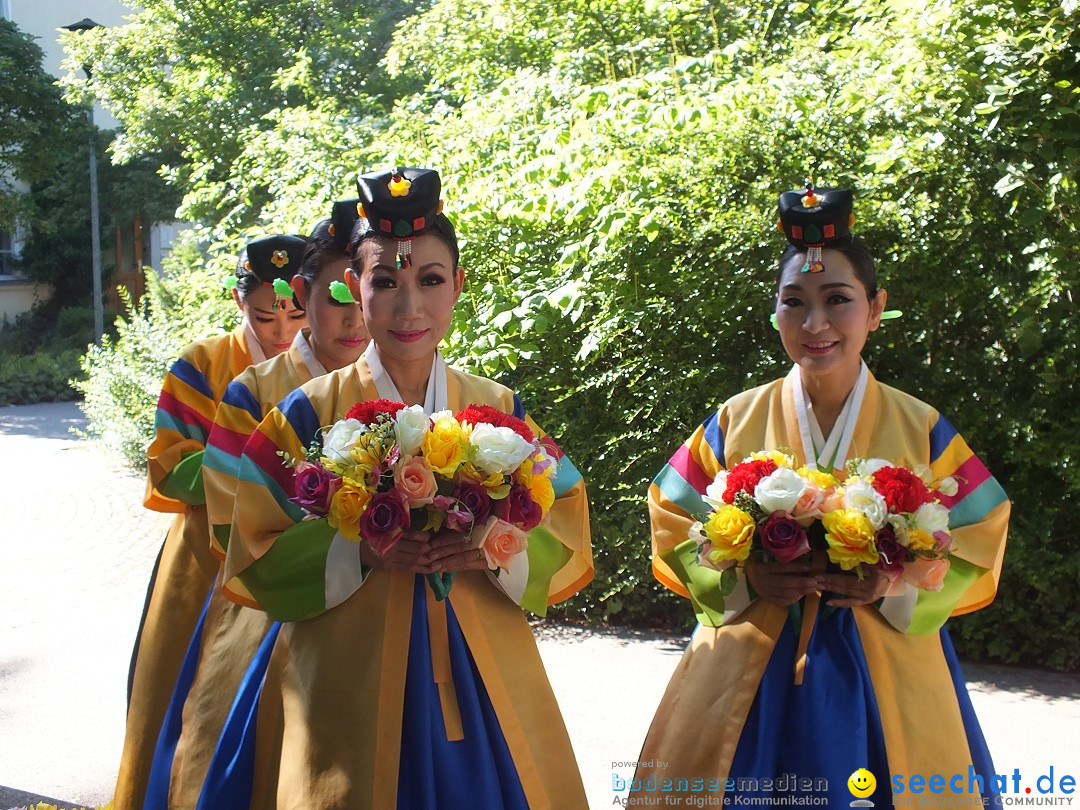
802 668
233 635
186 569
394 696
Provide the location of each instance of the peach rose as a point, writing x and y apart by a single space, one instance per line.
807 508
414 479
928 575
501 542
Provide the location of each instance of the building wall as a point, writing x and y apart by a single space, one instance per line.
18 296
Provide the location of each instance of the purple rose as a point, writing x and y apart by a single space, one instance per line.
472 496
385 516
314 487
519 509
783 537
890 553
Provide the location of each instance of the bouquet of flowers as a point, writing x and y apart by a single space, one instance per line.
385 467
881 515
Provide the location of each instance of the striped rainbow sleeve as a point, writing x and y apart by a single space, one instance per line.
558 560
294 568
675 502
978 522
182 422
238 415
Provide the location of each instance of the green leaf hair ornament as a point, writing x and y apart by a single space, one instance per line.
230 283
887 315
283 292
339 291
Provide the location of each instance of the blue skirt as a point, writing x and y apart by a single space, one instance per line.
828 727
475 773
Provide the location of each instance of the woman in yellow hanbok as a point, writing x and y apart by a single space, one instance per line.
803 674
186 569
393 698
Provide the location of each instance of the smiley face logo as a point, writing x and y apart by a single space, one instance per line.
861 783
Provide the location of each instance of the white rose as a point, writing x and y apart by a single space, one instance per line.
862 497
410 425
341 438
499 449
444 414
931 518
779 491
869 466
714 493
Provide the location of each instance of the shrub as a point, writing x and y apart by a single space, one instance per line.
124 374
26 379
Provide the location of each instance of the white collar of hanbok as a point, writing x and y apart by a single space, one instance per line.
833 451
435 398
302 343
254 347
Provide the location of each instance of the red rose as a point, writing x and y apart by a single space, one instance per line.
783 537
745 476
902 490
381 525
367 412
890 552
519 509
475 414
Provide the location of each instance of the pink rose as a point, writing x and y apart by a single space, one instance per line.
519 508
808 508
501 542
314 487
928 575
381 524
413 479
783 537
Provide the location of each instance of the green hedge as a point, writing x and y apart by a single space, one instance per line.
26 379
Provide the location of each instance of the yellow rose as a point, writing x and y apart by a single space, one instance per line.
346 508
542 491
822 480
851 538
775 456
919 540
731 531
444 446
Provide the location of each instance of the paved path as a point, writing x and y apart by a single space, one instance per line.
76 549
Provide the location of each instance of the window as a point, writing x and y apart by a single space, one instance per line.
6 254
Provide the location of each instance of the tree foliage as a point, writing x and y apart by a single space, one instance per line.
31 109
613 167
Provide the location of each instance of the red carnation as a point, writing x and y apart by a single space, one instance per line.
475 414
902 490
745 476
368 412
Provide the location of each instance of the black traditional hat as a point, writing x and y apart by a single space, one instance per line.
814 219
400 204
343 217
337 230
274 260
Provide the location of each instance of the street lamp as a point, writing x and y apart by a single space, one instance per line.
85 24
